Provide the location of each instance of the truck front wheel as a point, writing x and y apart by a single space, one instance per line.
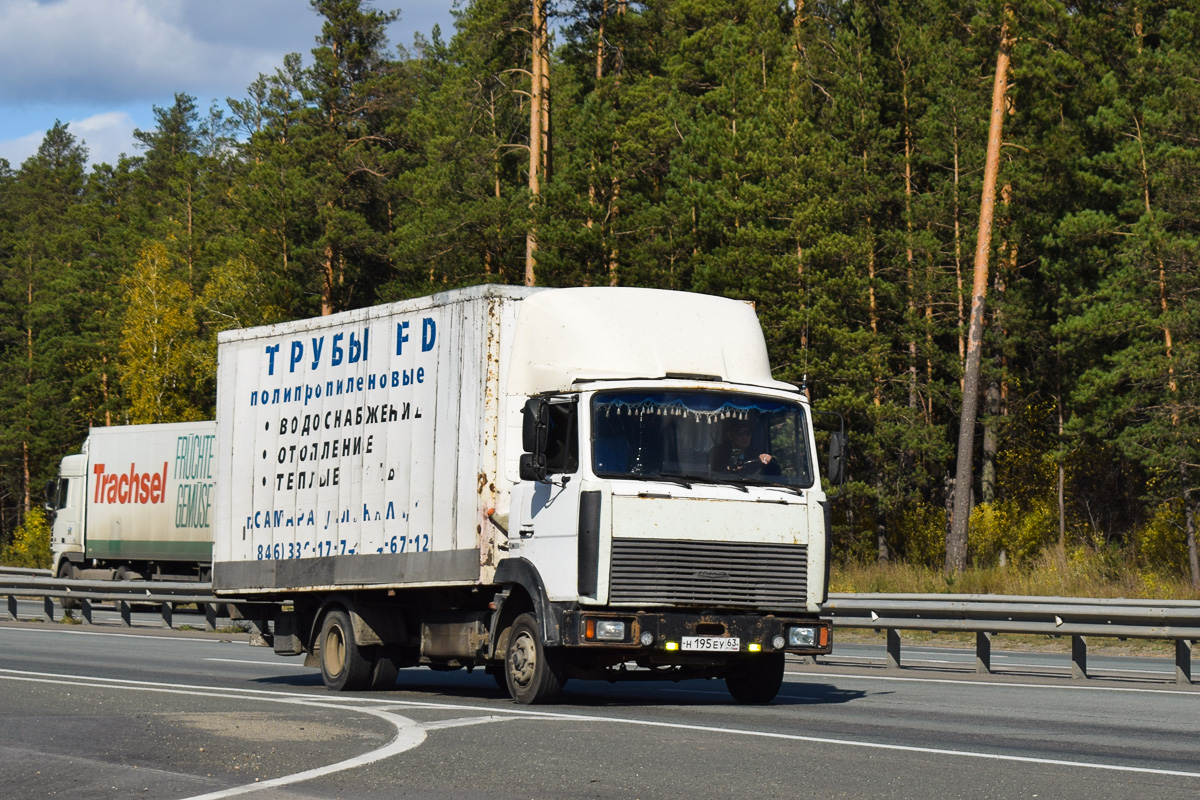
343 666
756 679
533 674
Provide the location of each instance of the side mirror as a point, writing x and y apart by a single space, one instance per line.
838 450
535 425
535 433
533 467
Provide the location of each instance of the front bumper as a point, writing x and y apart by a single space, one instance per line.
667 629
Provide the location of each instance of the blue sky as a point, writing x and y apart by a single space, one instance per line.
102 65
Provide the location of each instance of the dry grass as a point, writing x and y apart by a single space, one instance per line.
1080 573
1016 643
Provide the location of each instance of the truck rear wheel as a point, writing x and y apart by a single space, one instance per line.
756 679
65 573
533 674
384 670
343 666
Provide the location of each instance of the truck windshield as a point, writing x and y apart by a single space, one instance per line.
701 436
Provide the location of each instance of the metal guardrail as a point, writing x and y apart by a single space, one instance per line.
987 615
83 595
42 573
984 615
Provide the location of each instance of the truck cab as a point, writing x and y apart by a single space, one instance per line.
667 494
66 499
716 471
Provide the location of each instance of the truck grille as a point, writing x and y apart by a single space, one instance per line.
654 571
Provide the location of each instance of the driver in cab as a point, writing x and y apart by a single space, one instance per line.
737 453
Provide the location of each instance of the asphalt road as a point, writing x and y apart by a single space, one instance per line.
92 713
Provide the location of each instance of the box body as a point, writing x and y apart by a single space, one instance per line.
362 448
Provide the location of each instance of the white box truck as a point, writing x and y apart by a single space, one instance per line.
136 503
591 483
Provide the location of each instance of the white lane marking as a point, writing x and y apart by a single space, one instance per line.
968 660
319 696
158 636
260 663
968 680
461 722
824 740
409 733
1100 672
310 699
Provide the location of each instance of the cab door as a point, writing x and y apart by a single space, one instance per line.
547 530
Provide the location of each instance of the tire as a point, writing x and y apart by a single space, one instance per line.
343 666
756 679
66 573
384 671
532 673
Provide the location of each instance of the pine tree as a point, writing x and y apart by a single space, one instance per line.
42 311
1139 390
462 201
183 182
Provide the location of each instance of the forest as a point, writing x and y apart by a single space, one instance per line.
825 159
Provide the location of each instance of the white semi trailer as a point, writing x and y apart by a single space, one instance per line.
591 483
136 503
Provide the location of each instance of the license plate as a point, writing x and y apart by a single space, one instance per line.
711 643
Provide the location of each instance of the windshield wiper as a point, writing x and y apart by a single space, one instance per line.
680 478
754 481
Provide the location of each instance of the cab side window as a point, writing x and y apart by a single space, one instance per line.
562 444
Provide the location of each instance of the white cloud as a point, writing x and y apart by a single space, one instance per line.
117 50
105 63
106 136
17 150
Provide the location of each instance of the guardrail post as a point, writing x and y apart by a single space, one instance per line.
48 605
124 608
893 648
168 615
1183 661
983 652
210 616
259 632
12 607
85 610
1079 656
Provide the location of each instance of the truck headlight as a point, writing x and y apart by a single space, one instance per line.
801 637
604 630
610 630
